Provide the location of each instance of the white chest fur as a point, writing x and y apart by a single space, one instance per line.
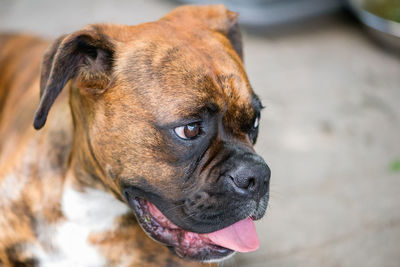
86 212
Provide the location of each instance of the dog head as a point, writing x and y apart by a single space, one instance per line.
164 116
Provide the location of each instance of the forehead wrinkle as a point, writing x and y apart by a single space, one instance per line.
178 111
187 115
209 90
235 91
163 73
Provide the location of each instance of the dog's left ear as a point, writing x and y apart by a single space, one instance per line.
85 56
215 17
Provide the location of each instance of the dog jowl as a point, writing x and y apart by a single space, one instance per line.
163 119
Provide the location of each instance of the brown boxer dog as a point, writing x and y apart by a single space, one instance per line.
150 134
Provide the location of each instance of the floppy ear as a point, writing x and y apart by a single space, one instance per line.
215 17
86 56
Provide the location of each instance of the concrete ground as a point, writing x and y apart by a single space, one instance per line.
330 132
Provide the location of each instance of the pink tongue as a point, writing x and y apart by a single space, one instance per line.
240 236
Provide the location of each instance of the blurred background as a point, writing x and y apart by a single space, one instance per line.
328 73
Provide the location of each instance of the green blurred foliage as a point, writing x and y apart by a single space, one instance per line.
395 166
388 9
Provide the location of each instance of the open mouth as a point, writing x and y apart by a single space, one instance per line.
214 246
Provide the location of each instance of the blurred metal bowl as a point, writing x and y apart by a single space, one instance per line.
384 30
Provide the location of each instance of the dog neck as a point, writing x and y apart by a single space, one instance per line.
89 177
100 209
86 169
86 212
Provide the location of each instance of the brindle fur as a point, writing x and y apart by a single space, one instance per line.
156 72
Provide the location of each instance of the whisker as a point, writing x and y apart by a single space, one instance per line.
175 207
190 215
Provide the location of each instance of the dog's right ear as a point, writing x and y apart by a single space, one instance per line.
86 56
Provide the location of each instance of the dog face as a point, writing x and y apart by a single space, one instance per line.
169 120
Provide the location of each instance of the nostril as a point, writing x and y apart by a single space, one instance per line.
248 176
249 183
252 183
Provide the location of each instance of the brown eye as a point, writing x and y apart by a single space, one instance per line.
189 131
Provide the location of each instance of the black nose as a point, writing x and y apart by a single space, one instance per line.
249 176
